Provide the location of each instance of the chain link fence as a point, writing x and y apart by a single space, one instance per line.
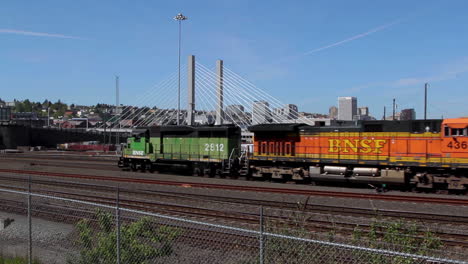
82 231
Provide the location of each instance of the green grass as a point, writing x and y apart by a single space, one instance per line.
16 260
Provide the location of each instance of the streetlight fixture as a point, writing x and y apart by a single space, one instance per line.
179 18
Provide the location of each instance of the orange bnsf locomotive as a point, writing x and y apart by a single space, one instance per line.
430 154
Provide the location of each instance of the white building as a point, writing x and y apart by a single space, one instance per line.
234 110
261 113
347 108
289 111
363 111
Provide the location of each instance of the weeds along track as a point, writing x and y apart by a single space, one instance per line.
238 212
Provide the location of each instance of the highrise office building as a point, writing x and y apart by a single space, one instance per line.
347 108
289 111
234 110
333 112
363 111
261 113
408 114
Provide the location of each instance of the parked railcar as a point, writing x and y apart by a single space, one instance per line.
203 150
420 153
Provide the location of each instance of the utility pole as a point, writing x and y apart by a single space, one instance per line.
425 100
393 109
179 18
384 113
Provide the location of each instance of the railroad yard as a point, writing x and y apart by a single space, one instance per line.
324 212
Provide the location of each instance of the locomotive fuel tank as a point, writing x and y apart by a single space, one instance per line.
337 170
366 172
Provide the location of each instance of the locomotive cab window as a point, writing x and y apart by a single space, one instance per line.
455 132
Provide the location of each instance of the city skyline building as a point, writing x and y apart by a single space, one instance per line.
234 109
347 108
289 111
333 112
363 111
408 114
261 113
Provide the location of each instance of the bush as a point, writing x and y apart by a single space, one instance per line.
140 241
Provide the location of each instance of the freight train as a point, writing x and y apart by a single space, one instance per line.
425 154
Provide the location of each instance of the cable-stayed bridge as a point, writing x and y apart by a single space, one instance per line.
209 95
214 95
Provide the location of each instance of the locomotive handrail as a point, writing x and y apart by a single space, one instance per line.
230 155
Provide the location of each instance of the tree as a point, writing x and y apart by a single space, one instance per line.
27 106
19 107
140 241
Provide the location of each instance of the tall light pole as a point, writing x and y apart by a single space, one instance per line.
179 18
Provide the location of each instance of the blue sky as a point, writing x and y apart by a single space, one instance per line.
302 52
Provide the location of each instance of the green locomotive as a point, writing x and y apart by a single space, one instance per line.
202 150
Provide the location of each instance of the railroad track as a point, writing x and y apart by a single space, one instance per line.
367 196
71 213
61 156
65 162
246 219
308 206
196 237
